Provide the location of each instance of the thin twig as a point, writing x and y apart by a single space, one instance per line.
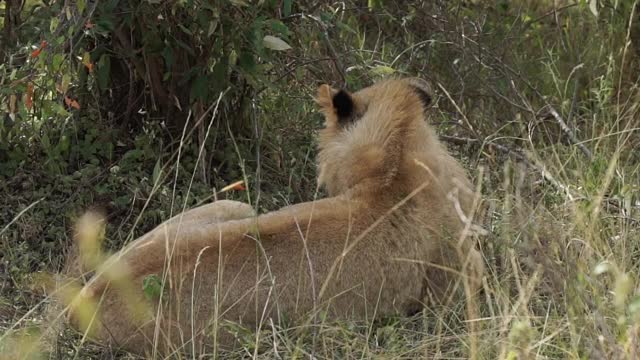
334 54
567 131
570 134
459 110
572 109
553 11
290 71
20 214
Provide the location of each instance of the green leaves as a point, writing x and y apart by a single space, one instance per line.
278 27
152 287
157 172
199 88
169 59
54 24
247 62
103 72
374 4
81 4
382 70
77 57
286 7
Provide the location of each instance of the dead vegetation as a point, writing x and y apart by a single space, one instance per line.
539 99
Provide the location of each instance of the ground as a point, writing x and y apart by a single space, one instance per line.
538 99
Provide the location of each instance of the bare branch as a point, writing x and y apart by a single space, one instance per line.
332 51
567 131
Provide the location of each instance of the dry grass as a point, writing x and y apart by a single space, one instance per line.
563 245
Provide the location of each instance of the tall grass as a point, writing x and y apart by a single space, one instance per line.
562 250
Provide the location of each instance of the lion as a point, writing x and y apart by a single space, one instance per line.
392 233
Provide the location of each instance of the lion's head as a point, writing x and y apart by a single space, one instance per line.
368 133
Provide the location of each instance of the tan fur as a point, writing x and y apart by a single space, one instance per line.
367 250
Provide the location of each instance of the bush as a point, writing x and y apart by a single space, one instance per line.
145 108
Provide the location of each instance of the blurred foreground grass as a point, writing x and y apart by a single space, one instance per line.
562 257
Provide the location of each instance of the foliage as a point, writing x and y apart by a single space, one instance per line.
115 105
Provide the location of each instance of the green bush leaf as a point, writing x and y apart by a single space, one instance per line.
199 88
219 76
104 72
54 24
279 27
157 172
152 287
382 70
81 4
57 61
169 59
375 4
286 7
247 62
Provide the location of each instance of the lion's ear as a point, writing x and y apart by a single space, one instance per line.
337 104
325 94
423 90
343 104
